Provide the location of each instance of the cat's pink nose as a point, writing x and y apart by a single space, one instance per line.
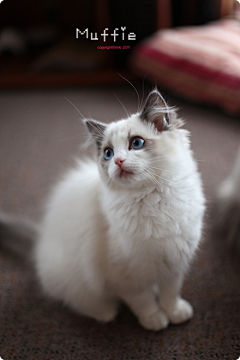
119 161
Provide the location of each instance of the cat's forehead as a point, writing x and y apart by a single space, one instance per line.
126 128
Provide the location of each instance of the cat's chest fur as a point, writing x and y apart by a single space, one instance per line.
152 221
135 214
149 231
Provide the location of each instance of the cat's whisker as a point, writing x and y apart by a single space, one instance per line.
142 100
127 113
150 170
81 135
90 183
99 130
110 183
154 213
138 108
109 180
160 177
157 168
157 158
75 108
89 178
152 178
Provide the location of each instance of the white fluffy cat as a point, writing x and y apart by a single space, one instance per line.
127 226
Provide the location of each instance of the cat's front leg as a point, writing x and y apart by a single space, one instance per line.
145 307
177 309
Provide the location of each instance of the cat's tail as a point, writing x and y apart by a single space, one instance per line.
18 235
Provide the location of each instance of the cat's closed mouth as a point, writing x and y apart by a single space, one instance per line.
124 173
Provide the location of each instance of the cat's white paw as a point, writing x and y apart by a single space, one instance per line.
156 321
107 315
182 311
103 311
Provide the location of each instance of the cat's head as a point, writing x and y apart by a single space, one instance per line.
133 152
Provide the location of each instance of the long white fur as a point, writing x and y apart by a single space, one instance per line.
107 238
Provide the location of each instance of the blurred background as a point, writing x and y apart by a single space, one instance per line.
38 45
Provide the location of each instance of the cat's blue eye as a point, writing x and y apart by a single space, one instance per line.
108 154
137 143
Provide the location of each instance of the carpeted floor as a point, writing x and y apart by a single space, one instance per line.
40 132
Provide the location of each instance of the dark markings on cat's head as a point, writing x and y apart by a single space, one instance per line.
156 111
97 131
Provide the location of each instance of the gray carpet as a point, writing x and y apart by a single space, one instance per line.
40 133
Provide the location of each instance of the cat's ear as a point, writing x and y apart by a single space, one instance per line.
96 130
156 111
